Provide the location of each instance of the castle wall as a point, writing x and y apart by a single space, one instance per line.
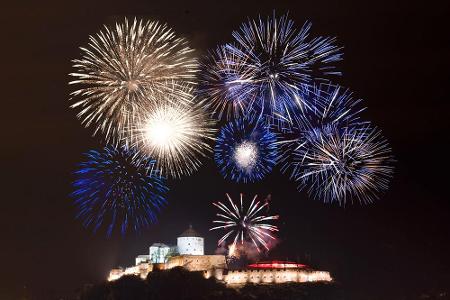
216 273
215 266
197 262
240 277
143 269
140 270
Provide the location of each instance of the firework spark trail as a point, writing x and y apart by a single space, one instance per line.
245 224
327 105
226 84
267 67
330 104
343 165
176 134
124 68
113 186
245 150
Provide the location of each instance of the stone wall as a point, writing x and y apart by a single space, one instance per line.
215 266
240 277
197 262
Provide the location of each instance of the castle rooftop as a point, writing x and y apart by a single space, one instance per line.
190 232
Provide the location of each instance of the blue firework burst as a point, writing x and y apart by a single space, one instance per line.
325 105
267 66
328 104
226 83
341 165
245 150
115 187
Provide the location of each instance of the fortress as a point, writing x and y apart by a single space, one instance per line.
189 254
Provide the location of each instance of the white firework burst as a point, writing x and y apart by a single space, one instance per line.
177 135
245 224
126 67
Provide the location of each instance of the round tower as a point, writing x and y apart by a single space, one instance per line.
190 243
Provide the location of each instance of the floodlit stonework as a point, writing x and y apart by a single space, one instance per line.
163 257
272 276
197 262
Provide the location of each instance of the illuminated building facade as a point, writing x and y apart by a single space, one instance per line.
187 255
158 253
270 273
142 259
190 243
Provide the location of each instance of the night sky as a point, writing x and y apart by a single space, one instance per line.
395 57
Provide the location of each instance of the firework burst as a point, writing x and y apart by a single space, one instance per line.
245 225
226 84
176 134
341 165
245 150
267 66
326 105
123 69
114 188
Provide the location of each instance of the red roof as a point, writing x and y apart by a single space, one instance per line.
276 264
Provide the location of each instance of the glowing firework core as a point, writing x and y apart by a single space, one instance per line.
174 134
246 155
165 129
132 85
